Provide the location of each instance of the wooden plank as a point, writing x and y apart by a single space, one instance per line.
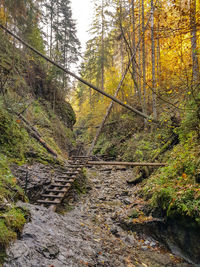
64 181
51 196
119 163
57 190
42 201
69 173
63 185
75 166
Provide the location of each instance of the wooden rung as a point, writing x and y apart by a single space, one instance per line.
74 166
42 201
61 181
51 196
71 173
57 190
63 185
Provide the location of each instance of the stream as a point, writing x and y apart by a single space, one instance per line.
90 232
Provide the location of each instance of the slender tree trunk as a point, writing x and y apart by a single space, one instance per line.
153 62
51 29
195 65
139 59
122 55
133 40
158 54
102 46
144 61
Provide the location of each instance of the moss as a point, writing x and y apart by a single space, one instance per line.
80 183
12 218
6 235
173 189
64 110
134 213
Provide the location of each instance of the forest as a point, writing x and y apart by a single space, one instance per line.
132 95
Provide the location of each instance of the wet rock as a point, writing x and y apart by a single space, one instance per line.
50 239
50 251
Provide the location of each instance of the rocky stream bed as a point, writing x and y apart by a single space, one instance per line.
89 230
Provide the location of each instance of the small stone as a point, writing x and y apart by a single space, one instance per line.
127 201
152 244
102 198
146 242
130 240
144 248
114 231
124 193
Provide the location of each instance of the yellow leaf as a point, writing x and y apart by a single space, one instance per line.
169 92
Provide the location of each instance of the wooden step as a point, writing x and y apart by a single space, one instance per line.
74 166
42 201
64 181
61 181
57 190
63 185
51 196
69 173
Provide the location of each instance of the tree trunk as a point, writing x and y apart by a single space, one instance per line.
102 46
139 59
51 29
133 44
144 61
153 62
195 65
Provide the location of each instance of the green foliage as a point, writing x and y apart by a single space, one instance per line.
14 219
6 235
13 138
174 189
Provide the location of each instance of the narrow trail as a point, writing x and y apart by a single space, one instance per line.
89 234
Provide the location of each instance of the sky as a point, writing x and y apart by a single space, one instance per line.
82 12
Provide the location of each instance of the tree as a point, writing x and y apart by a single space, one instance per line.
153 61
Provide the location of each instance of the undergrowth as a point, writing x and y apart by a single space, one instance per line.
175 189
